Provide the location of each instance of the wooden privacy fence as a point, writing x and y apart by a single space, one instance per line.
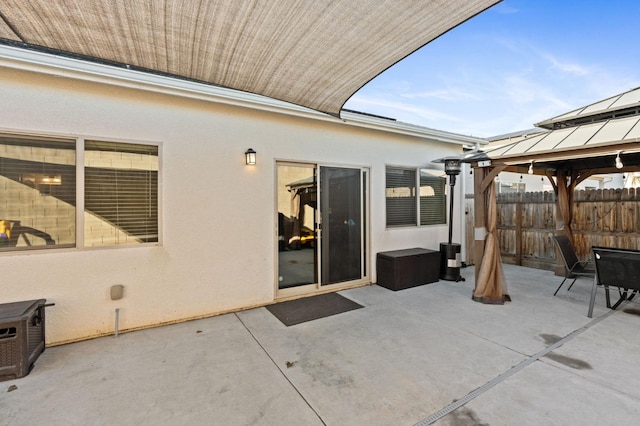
527 222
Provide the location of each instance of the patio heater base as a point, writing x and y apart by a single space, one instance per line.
450 262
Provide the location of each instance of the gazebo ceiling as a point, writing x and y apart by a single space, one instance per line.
596 164
558 150
314 53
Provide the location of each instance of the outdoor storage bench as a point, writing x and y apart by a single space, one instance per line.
22 337
400 269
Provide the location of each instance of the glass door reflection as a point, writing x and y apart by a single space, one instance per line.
297 204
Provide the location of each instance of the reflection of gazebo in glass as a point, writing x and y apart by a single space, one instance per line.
297 203
320 225
301 222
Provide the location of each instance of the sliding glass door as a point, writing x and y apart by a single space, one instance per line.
321 225
341 212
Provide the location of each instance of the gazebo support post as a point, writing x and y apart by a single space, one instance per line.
566 183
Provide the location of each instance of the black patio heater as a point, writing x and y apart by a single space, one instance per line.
450 252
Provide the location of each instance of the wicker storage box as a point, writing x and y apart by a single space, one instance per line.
400 269
21 337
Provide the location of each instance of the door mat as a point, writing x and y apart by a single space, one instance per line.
297 311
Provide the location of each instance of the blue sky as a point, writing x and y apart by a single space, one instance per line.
516 64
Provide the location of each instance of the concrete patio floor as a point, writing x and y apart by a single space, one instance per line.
402 360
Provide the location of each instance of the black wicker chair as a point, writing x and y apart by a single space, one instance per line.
573 267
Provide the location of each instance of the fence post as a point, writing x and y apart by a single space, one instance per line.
519 232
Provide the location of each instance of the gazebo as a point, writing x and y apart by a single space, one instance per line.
600 138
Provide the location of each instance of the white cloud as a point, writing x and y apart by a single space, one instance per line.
402 111
517 89
566 66
505 9
447 94
511 89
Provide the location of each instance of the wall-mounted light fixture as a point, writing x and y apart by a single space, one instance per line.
250 157
530 168
619 164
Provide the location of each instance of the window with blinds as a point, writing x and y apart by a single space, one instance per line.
37 193
401 197
433 199
120 193
39 198
414 197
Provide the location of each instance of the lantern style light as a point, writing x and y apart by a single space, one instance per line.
250 157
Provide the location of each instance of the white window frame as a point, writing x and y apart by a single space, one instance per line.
416 196
80 191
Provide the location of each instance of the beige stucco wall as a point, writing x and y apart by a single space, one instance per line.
218 216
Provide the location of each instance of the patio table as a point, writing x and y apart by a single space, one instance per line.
618 268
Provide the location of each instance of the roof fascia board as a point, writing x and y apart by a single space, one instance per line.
46 63
410 129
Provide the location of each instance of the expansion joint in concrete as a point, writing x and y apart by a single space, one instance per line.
280 369
502 377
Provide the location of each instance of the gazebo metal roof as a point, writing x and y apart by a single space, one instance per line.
313 53
610 128
622 105
589 146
